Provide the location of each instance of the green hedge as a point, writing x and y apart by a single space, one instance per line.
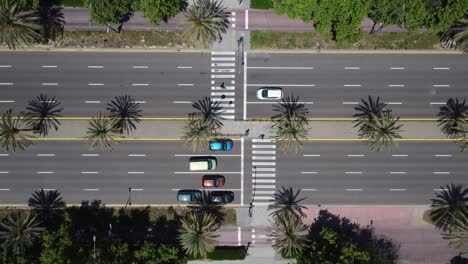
261 4
73 3
225 253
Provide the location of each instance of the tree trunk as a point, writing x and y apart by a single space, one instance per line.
373 28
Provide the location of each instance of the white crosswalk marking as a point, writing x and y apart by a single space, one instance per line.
263 171
225 94
264 146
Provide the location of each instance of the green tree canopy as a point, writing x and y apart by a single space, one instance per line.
149 253
160 10
57 246
295 8
446 12
107 12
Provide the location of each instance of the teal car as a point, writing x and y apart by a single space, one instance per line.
189 196
221 145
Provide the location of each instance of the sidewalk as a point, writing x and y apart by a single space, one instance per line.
331 130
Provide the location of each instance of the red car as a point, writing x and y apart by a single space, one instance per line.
213 181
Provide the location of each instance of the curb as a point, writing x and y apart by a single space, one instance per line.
110 50
350 51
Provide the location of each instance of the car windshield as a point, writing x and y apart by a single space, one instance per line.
265 93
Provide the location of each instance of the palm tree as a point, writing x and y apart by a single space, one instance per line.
44 112
208 21
206 206
290 135
198 131
458 235
46 203
52 20
209 109
290 235
452 117
17 28
196 234
126 111
381 133
450 202
290 109
18 232
457 35
12 136
286 201
365 110
102 132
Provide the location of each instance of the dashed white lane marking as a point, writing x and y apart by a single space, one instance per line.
284 85
7 101
223 53
92 102
140 67
440 189
137 155
352 68
90 190
49 84
48 189
223 58
4 172
5 66
396 85
45 172
311 155
246 19
6 83
281 68
136 172
223 76
355 155
140 84
90 155
354 190
5 190
95 84
352 85
441 85
95 66
264 158
394 103
181 102
185 84
441 68
221 64
139 102
397 68
309 172
398 172
350 103
45 155
309 190
441 172
437 103
4 155
272 152
137 189
206 172
49 66
47 101
397 190
184 67
353 172
89 172
399 155
443 155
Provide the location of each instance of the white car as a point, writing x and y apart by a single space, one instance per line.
270 93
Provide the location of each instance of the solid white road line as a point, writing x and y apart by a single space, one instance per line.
354 190
185 84
441 68
49 84
140 84
262 152
352 68
181 102
396 85
6 83
277 102
223 76
443 155
311 155
223 58
284 85
95 84
264 158
239 236
398 172
350 103
140 67
244 114
45 155
215 155
223 53
355 155
49 66
137 155
90 190
90 155
242 172
352 85
397 68
45 172
184 67
309 172
95 67
437 103
397 190
282 68
136 172
89 172
399 155
441 85
92 102
207 172
353 172
441 172
246 19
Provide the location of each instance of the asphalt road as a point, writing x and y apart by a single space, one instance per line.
331 84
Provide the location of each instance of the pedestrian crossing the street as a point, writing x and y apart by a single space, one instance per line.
263 171
223 81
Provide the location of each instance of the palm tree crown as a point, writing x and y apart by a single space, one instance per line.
206 206
290 235
451 201
382 132
208 19
44 112
18 232
452 116
126 111
290 135
46 203
209 109
458 234
196 234
12 136
457 35
366 108
52 20
102 132
290 109
287 201
198 131
17 28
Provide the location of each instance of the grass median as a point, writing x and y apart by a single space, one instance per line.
263 39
